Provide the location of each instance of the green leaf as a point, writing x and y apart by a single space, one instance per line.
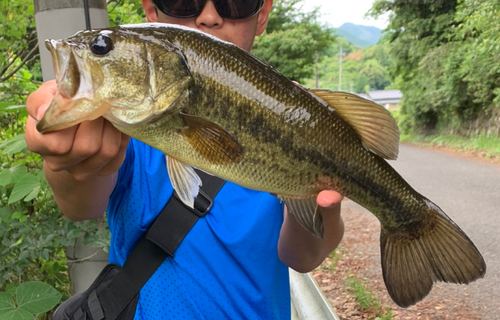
24 187
18 314
6 303
74 233
18 242
5 178
18 173
45 254
14 145
37 297
5 214
24 255
33 194
8 176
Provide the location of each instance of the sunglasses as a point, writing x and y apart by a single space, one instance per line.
228 9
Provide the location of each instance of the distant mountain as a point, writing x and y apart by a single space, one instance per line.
363 36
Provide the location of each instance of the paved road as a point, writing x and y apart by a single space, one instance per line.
469 192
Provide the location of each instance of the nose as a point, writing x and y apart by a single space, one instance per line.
209 17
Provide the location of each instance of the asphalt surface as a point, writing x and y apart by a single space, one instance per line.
468 191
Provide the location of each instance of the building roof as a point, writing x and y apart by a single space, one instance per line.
383 96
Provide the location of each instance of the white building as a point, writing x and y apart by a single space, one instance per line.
387 98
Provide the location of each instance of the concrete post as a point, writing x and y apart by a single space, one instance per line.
56 19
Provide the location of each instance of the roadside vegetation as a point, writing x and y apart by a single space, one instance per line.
445 61
358 297
367 299
485 147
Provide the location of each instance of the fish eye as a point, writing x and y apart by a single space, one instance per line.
101 44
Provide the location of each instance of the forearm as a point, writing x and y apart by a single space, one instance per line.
302 251
80 200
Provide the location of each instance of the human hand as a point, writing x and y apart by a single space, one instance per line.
300 249
88 149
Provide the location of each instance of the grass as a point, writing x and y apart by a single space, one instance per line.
367 299
485 146
335 255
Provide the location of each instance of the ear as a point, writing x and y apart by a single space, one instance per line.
150 11
263 16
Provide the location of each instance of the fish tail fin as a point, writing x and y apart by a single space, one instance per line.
441 252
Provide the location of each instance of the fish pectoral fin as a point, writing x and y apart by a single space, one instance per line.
376 127
184 179
211 141
411 263
307 213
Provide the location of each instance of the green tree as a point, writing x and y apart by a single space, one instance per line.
375 74
478 36
125 12
419 34
362 69
18 49
293 39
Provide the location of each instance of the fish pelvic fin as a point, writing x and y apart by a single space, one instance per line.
184 179
443 252
307 214
376 127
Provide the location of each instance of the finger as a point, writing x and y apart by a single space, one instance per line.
108 155
66 148
117 161
329 198
41 97
88 140
41 111
54 143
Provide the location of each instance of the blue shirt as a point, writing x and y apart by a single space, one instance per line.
227 267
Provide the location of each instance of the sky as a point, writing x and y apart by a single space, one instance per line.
337 12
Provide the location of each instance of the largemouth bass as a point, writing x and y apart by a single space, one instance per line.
208 104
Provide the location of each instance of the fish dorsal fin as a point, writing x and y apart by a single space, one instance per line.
376 127
211 141
184 179
307 214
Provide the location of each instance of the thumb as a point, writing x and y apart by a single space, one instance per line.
328 198
41 111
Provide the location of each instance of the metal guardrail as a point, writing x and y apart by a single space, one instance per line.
308 302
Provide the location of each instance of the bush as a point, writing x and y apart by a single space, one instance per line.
33 232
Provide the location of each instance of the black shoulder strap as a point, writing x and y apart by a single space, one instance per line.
159 242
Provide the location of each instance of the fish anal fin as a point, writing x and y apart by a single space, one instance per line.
211 141
443 252
184 179
307 214
376 127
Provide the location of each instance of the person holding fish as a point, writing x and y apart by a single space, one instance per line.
234 263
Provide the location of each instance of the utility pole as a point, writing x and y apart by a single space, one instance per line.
56 19
316 69
341 54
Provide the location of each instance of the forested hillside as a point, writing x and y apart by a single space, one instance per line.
359 35
303 49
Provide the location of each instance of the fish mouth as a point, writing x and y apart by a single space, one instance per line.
65 67
73 101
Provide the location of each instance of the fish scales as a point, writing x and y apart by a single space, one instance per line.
261 132
208 104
